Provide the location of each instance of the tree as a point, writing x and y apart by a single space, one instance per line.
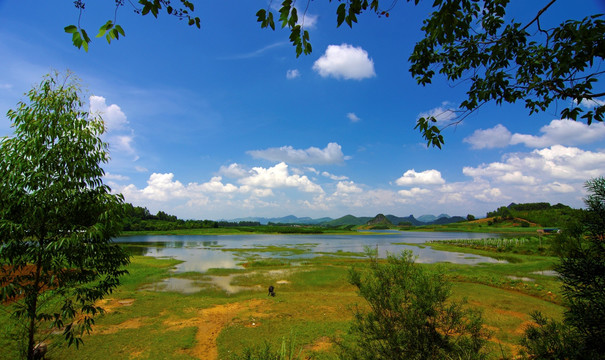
582 272
470 217
57 217
410 316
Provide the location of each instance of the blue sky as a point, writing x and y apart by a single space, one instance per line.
226 122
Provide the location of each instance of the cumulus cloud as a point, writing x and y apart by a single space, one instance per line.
428 177
345 62
354 118
496 137
233 171
562 132
558 132
414 192
443 113
347 187
278 176
551 164
292 74
112 115
331 154
119 135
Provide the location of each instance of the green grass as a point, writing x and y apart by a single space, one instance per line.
313 304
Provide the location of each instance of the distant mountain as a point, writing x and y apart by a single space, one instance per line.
354 220
290 219
348 220
379 220
396 220
432 218
448 220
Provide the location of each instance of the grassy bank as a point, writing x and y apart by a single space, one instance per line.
312 306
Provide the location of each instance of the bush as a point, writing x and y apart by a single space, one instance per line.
410 316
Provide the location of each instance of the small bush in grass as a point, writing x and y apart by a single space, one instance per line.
410 316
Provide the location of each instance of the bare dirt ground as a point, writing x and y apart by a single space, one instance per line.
211 321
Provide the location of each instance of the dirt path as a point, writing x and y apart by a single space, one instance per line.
211 321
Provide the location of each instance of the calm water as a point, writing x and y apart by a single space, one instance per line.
202 252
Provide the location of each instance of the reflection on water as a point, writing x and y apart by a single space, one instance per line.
185 286
202 252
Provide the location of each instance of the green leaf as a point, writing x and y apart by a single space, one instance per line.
70 29
120 30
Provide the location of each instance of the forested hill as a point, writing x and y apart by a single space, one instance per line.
541 213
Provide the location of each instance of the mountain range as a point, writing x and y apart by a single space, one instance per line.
354 220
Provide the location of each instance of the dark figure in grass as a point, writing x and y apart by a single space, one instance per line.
271 290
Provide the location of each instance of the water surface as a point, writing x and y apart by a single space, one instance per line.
203 252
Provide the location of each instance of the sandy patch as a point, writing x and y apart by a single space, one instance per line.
128 324
110 305
211 321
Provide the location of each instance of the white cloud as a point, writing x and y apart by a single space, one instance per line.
116 177
121 143
345 62
562 132
428 177
215 185
347 187
331 154
292 74
558 132
354 118
496 137
334 177
112 115
140 169
557 163
414 192
278 176
443 113
233 171
308 21
591 103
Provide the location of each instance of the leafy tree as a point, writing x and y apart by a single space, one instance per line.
582 272
470 217
410 316
57 217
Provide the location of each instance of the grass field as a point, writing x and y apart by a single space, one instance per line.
312 306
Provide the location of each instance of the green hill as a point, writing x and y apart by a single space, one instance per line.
542 213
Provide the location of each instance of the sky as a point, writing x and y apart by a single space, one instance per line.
226 122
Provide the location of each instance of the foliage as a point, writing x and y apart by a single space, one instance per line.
112 31
550 339
543 214
410 316
582 272
57 217
287 351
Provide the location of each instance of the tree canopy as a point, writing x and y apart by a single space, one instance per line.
472 43
57 217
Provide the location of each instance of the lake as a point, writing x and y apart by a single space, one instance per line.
202 252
